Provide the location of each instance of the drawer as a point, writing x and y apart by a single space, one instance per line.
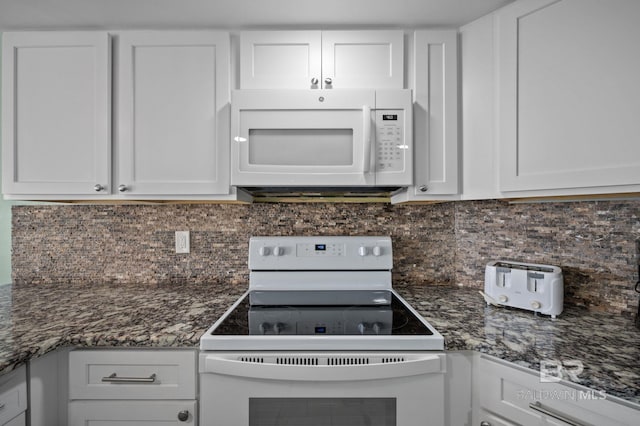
13 395
132 374
133 413
509 392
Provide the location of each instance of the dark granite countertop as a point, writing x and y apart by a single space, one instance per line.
36 319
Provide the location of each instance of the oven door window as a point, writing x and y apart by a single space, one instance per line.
322 411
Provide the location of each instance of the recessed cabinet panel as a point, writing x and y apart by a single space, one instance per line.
56 112
569 94
173 113
435 115
280 59
363 59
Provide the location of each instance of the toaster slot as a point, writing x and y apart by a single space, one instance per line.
534 282
503 277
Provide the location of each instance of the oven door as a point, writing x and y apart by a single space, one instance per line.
302 138
322 389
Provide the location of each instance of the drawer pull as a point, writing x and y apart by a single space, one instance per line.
537 406
113 378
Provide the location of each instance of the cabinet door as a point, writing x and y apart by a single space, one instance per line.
173 113
569 94
56 105
280 59
436 112
363 59
435 119
132 413
13 396
521 396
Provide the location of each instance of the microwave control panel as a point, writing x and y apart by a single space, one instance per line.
390 146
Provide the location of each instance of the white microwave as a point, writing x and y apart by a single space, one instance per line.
321 138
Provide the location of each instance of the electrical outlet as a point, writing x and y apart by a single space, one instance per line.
182 242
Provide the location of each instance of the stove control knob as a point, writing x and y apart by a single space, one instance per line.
278 327
377 251
502 298
377 327
363 251
536 305
264 251
362 328
264 327
278 251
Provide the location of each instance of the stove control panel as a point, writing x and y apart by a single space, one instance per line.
320 253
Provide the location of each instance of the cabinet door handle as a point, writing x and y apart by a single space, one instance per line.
366 127
123 188
537 406
113 378
97 187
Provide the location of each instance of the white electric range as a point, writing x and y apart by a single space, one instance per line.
321 338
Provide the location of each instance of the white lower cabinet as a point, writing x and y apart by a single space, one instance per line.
505 394
13 398
107 413
118 387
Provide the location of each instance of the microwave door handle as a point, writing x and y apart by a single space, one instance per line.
366 126
427 364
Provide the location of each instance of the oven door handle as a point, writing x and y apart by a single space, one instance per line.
427 364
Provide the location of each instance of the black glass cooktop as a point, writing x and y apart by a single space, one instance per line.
393 319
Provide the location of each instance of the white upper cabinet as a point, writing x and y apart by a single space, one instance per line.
569 96
56 105
363 59
173 113
322 59
280 59
435 115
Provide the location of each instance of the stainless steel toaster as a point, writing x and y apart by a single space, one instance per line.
538 288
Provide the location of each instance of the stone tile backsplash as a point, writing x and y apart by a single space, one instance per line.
435 244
